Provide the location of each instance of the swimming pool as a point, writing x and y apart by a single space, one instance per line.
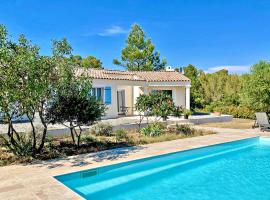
234 170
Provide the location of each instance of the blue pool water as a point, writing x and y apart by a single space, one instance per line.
235 170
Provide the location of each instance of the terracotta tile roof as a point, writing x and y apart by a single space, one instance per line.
149 76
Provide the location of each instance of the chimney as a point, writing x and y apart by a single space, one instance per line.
169 69
182 70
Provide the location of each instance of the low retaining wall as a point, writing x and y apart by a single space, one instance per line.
211 119
201 120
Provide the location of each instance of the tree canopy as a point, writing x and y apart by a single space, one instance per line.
87 62
91 62
30 83
196 91
139 53
256 87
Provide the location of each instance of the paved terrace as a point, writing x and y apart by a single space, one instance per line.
26 182
121 122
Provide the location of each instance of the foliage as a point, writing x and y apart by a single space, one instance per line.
184 129
196 90
102 129
143 106
27 82
256 88
155 104
237 111
162 105
139 53
62 146
72 105
121 135
153 129
61 48
239 95
23 145
221 88
91 62
178 110
77 60
187 112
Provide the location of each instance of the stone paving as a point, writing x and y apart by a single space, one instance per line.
26 182
121 122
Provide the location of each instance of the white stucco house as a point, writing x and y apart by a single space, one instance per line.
120 89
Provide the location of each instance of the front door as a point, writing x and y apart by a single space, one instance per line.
121 101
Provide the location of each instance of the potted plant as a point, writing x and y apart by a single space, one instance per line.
187 113
216 113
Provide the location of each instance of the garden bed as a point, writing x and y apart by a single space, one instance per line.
62 146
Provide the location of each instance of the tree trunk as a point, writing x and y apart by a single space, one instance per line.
78 135
45 128
72 132
34 144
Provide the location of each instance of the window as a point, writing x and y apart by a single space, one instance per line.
98 93
103 94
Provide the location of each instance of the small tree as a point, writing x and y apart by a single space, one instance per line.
156 104
162 105
143 106
73 108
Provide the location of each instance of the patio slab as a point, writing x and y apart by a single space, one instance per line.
36 181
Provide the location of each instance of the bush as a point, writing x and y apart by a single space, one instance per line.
88 138
187 113
236 111
121 135
177 112
184 129
154 129
102 129
23 145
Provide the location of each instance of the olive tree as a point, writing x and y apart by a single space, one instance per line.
73 107
28 83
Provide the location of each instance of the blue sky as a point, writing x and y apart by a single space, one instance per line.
206 33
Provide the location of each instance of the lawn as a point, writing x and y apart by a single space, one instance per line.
234 124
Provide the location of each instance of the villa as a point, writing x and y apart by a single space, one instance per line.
120 89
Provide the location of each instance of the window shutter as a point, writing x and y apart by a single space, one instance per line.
108 95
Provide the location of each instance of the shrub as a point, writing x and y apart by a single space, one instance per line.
162 106
157 104
102 129
177 112
23 145
121 135
184 129
154 129
187 113
236 111
88 138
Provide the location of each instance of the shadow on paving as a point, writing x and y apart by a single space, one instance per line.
86 159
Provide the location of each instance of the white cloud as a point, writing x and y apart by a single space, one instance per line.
113 30
239 69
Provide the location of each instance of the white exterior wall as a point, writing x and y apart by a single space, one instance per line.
111 111
116 85
178 93
133 89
